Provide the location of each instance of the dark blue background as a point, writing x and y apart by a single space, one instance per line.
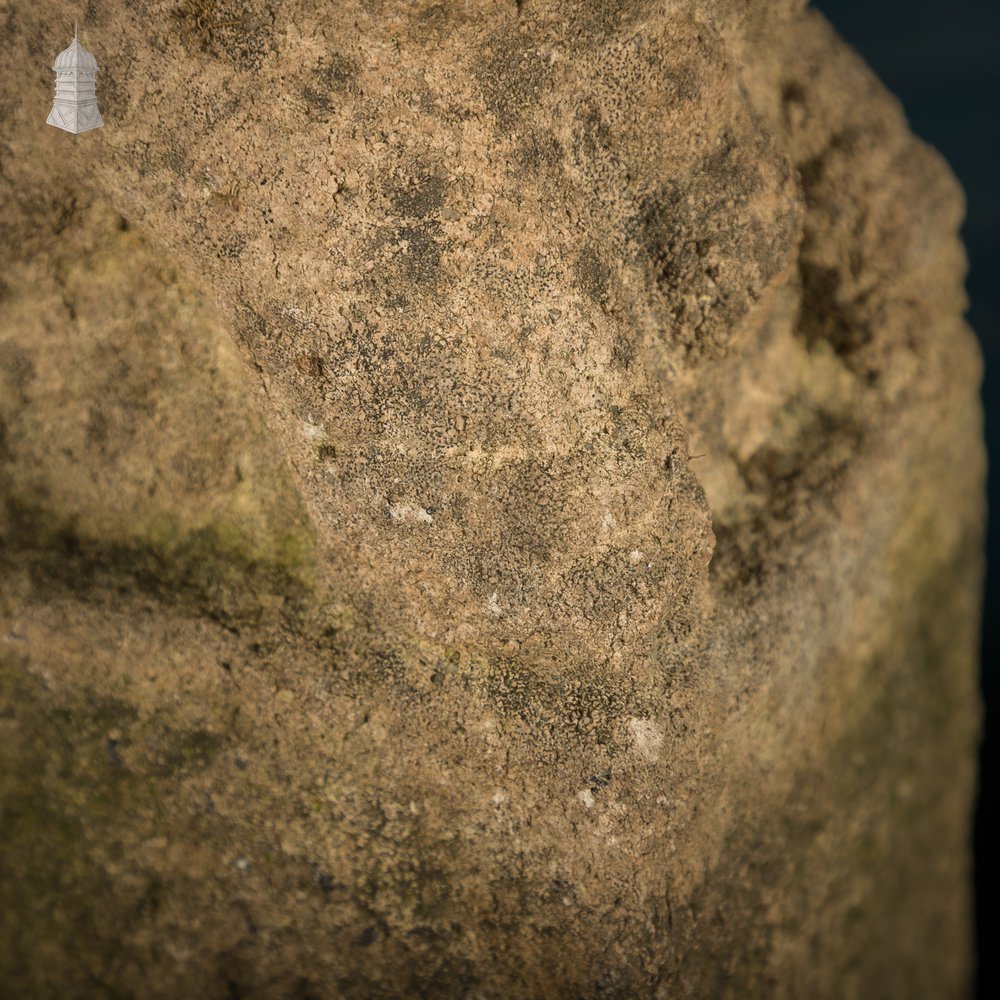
941 60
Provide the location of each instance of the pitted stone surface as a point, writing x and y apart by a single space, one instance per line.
491 506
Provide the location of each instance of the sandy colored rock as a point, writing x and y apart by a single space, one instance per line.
492 507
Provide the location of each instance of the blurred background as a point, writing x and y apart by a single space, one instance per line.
943 61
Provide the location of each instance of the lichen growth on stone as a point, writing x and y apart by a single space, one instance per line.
490 505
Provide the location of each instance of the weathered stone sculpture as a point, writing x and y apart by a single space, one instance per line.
501 518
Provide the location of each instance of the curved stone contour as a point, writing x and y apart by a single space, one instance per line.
586 604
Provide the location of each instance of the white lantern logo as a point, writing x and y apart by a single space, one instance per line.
75 106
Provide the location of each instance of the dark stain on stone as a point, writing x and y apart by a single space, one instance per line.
367 937
623 349
310 364
599 781
16 366
334 77
592 135
231 247
225 29
186 751
709 257
826 312
592 274
39 46
417 197
98 427
175 158
423 257
112 89
540 151
825 315
512 75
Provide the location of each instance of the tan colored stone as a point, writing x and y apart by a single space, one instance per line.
574 590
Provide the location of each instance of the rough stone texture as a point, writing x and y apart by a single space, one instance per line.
573 592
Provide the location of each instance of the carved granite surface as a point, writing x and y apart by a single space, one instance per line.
491 500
